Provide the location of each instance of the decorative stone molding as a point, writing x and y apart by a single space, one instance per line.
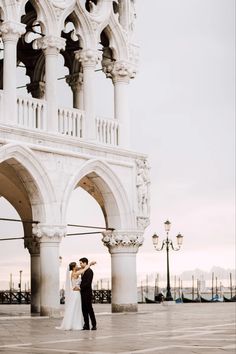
49 233
36 88
143 186
11 30
142 222
119 71
33 245
50 44
125 240
62 4
88 57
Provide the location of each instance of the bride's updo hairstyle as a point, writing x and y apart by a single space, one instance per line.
72 265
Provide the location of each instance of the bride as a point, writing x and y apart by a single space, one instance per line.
73 317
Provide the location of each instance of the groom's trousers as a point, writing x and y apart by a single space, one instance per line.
87 309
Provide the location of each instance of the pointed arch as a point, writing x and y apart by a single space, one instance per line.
113 197
45 15
32 175
117 40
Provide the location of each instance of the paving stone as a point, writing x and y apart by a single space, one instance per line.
156 328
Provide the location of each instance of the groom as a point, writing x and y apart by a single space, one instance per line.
86 295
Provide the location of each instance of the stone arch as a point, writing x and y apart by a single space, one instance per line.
45 15
98 179
27 178
83 27
117 42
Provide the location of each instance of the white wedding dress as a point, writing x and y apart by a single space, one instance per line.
73 317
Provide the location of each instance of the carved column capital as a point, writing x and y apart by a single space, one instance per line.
75 80
11 30
127 241
49 233
50 44
88 57
119 71
33 246
36 88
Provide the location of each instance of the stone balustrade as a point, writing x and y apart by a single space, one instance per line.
31 113
107 131
71 122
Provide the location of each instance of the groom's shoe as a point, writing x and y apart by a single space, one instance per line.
94 328
85 328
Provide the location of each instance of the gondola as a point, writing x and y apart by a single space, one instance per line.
232 299
185 300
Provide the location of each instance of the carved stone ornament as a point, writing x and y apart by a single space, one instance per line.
142 222
63 4
123 239
11 30
119 71
88 57
50 42
49 233
33 245
36 88
143 184
75 80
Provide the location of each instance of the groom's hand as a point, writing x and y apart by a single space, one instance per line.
76 288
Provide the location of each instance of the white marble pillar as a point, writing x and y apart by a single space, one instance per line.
89 59
34 250
121 72
123 247
51 46
49 237
75 81
11 31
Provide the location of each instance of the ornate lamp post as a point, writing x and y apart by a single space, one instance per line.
167 243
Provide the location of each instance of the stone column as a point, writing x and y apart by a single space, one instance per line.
121 72
89 59
76 83
11 31
49 237
51 46
34 250
123 246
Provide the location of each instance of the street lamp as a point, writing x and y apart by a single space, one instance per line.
167 243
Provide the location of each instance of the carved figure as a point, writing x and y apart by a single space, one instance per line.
142 184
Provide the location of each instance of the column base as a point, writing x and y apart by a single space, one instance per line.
34 309
124 308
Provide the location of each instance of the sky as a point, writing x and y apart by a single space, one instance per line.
182 106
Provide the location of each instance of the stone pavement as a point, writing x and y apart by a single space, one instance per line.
168 329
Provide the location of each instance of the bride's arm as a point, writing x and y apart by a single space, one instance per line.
82 270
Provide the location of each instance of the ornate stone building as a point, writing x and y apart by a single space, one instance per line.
47 150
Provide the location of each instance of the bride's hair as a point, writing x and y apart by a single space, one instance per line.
72 265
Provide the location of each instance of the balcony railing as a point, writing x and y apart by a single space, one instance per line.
107 131
32 115
70 122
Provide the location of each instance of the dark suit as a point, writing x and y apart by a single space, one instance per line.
86 296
